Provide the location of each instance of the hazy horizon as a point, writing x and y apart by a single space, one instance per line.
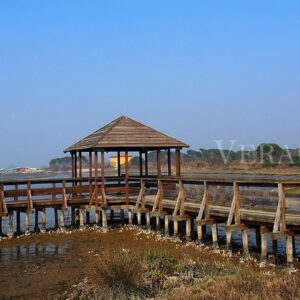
215 70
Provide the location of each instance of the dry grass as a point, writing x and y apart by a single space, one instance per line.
244 287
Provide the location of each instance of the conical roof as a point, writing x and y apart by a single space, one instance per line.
126 133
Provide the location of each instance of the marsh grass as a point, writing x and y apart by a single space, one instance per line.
129 274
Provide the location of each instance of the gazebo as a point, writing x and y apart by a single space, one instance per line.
121 135
124 135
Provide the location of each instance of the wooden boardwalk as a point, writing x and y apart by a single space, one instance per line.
150 196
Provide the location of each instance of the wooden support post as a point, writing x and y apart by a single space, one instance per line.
275 251
90 165
289 251
229 241
175 225
166 225
141 164
200 234
36 220
157 223
80 164
81 219
18 222
96 180
169 163
75 162
148 224
43 228
177 159
119 164
158 160
97 217
139 218
10 232
56 218
126 177
27 223
146 164
62 220
245 240
214 232
129 216
104 219
188 230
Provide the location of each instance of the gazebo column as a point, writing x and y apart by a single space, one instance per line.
146 163
126 177
104 217
75 164
80 164
169 163
158 163
177 159
119 164
141 164
96 181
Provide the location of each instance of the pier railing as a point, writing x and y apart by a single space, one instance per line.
165 198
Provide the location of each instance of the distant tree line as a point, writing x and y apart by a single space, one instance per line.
266 154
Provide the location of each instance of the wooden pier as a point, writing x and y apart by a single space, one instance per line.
144 197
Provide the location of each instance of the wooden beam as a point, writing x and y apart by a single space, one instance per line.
146 164
158 163
177 159
280 222
141 163
235 206
80 164
29 198
65 204
119 164
169 163
75 165
96 179
90 165
2 201
126 177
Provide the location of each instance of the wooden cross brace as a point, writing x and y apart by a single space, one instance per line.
158 202
204 212
29 198
235 209
103 198
140 203
3 206
64 193
179 207
280 222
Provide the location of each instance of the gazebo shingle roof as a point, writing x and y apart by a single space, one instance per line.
126 133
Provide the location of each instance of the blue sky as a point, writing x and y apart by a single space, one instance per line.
198 70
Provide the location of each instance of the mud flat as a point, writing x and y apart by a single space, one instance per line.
70 265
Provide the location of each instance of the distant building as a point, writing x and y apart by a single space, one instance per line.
23 170
114 160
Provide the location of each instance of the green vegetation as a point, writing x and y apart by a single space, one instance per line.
64 163
265 155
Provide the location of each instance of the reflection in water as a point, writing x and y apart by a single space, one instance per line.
32 251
